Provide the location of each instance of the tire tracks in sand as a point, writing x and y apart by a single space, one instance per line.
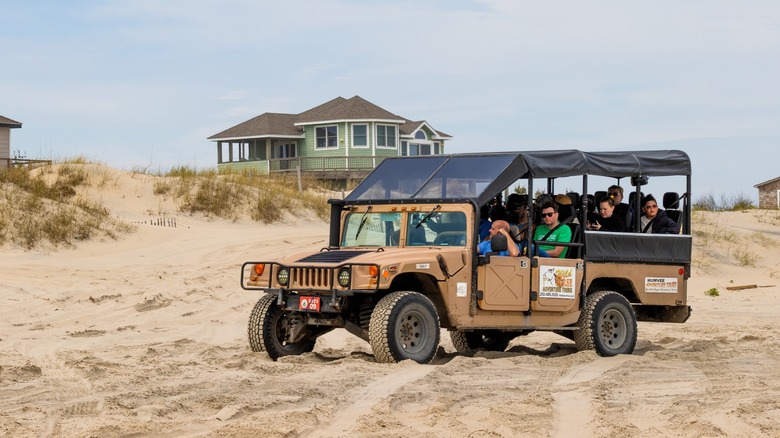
572 409
363 400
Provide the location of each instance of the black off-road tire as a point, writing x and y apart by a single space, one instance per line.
404 325
267 330
490 340
607 325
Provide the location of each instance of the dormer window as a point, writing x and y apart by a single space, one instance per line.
420 135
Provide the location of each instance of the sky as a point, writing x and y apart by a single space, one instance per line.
143 83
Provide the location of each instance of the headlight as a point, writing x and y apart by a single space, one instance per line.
344 277
283 276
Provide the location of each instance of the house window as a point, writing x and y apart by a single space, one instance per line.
327 137
425 149
359 135
420 135
436 148
385 136
404 148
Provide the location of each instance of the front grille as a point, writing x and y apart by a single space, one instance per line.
310 278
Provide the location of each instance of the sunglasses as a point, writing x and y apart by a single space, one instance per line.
548 214
651 206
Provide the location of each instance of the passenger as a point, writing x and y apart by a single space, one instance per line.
655 220
518 224
551 230
498 213
500 227
622 210
484 222
565 209
606 220
517 210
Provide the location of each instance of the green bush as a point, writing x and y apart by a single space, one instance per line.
713 292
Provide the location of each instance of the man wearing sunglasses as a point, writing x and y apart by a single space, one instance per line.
655 220
622 210
551 230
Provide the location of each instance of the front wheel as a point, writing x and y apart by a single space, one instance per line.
269 327
607 325
404 325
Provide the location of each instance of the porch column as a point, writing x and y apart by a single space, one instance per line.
219 152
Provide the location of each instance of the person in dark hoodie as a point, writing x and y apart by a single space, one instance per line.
654 220
606 220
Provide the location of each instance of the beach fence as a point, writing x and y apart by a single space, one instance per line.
162 221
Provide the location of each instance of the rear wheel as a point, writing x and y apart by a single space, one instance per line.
404 325
607 325
269 328
490 340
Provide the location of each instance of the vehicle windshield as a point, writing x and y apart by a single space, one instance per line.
371 229
438 229
367 228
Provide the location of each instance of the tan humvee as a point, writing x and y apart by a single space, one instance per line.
402 262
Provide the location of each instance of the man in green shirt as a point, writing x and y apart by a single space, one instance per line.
560 234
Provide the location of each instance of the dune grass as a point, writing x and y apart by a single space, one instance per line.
230 195
726 203
41 207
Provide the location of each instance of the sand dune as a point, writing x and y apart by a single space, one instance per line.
146 336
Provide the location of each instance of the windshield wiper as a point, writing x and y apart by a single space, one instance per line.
426 217
363 221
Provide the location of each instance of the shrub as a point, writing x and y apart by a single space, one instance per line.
727 203
713 292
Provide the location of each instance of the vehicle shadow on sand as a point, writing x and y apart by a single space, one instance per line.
554 350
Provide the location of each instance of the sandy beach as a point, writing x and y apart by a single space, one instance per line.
146 336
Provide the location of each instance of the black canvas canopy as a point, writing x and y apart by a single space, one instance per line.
479 177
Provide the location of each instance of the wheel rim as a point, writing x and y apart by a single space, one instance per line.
282 325
412 332
613 328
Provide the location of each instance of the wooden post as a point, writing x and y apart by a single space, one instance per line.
298 171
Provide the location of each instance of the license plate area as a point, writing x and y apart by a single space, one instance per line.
308 303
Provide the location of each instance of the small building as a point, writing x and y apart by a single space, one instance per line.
6 125
769 194
339 139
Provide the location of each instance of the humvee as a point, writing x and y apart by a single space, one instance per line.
401 261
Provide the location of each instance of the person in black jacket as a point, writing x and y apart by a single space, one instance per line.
606 220
655 220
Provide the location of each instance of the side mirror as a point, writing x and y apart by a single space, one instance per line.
639 180
498 243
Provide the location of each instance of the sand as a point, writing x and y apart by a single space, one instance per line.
146 336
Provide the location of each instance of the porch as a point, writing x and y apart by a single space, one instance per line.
331 168
22 162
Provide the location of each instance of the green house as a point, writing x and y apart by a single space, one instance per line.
340 139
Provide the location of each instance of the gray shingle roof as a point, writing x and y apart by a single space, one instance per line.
278 124
354 108
759 185
5 122
409 127
264 125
